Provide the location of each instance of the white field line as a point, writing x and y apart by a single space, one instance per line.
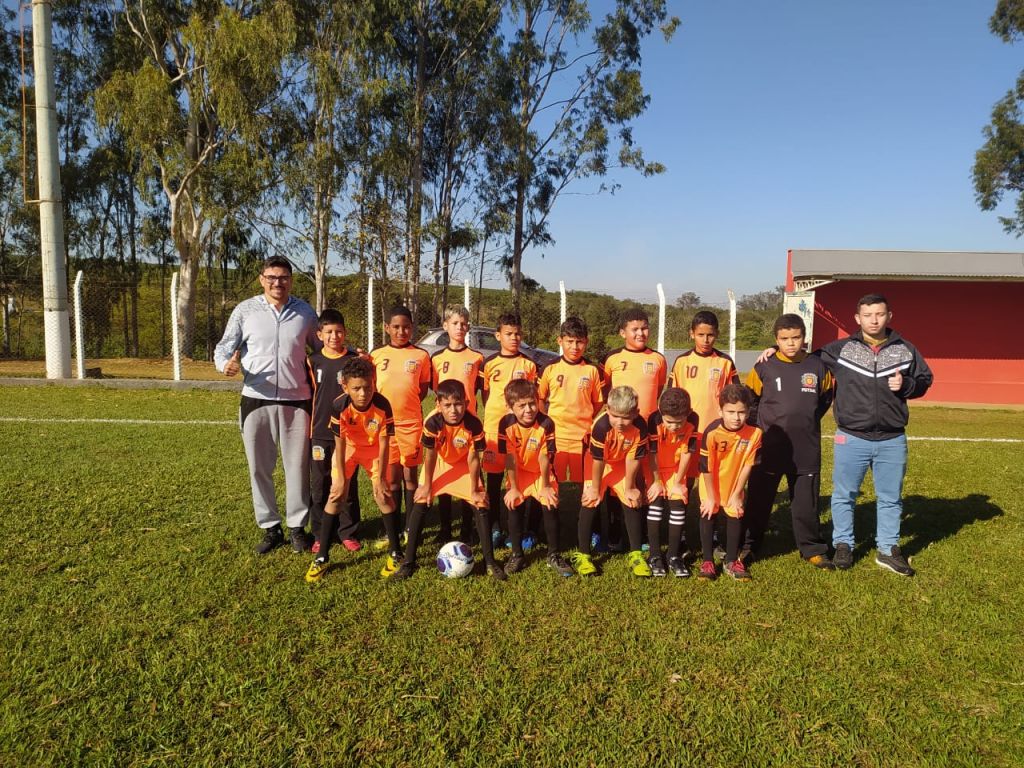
210 423
141 422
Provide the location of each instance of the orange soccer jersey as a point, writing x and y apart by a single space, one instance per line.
452 444
466 365
723 455
670 446
644 370
499 370
361 430
613 448
525 445
402 373
703 377
573 394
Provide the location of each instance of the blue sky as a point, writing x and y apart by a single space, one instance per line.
793 124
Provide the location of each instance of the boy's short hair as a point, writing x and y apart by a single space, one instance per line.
736 393
454 310
519 389
704 317
450 389
631 315
510 318
623 399
277 262
675 403
789 322
574 328
330 317
357 368
872 298
399 310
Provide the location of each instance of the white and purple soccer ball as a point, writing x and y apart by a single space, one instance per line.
455 560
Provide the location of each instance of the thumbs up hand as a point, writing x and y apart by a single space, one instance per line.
233 366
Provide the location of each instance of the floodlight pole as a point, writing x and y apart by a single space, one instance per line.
732 326
465 294
661 318
56 325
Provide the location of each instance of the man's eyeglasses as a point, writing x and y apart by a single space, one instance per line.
276 278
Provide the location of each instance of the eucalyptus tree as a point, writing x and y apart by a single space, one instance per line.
193 94
574 90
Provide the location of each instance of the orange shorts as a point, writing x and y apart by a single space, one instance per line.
405 448
722 508
529 485
366 457
568 467
452 480
614 479
665 475
492 461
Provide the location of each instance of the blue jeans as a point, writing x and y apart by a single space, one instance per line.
888 462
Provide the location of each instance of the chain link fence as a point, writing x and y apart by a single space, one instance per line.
114 320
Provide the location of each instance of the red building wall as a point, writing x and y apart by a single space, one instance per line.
969 332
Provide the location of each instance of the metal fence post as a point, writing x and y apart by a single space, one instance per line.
732 325
175 340
79 329
465 294
370 330
661 318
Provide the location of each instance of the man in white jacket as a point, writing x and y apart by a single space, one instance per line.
266 338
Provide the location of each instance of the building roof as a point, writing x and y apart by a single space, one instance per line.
903 265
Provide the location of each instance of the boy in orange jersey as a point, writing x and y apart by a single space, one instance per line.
403 377
636 365
571 394
504 366
728 453
672 444
452 441
457 361
618 444
703 372
362 424
325 369
527 439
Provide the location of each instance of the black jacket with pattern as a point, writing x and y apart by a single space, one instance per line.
864 405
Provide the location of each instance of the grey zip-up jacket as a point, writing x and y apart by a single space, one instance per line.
273 347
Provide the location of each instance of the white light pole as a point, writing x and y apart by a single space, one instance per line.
56 325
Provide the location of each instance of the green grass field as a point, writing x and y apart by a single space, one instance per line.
138 628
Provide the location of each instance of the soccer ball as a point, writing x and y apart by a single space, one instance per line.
455 560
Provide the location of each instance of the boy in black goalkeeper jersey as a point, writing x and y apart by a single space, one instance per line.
325 374
793 390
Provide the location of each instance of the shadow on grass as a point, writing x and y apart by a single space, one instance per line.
925 521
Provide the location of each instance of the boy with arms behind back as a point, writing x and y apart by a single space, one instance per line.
457 361
792 391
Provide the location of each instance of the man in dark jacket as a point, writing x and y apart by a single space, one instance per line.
876 372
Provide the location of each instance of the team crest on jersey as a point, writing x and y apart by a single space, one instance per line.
809 382
372 425
715 373
518 374
411 366
533 444
648 369
467 368
626 444
460 442
742 445
584 382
